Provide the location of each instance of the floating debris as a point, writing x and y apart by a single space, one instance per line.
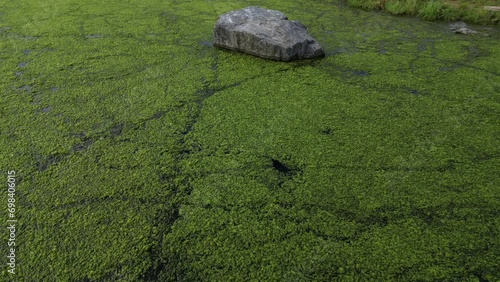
492 8
461 28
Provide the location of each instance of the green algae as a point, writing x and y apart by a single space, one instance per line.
146 154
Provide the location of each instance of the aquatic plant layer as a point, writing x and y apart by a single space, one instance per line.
144 153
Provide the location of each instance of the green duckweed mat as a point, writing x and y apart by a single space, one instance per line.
143 153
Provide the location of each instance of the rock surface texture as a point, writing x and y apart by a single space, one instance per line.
265 33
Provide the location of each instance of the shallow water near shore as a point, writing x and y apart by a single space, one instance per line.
143 153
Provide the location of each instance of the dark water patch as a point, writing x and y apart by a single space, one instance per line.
339 50
327 131
5 28
350 73
22 64
458 188
46 109
78 135
450 67
314 62
51 160
164 220
117 129
236 84
449 166
201 94
422 47
360 73
153 273
382 48
371 220
484 156
480 274
143 122
27 52
86 142
37 99
427 215
49 49
206 43
156 115
27 37
25 88
18 73
205 93
474 52
281 167
185 153
164 178
414 92
284 169
54 89
94 36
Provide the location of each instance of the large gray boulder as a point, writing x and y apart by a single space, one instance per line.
265 33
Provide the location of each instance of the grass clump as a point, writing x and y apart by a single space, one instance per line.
435 10
369 4
469 11
406 7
